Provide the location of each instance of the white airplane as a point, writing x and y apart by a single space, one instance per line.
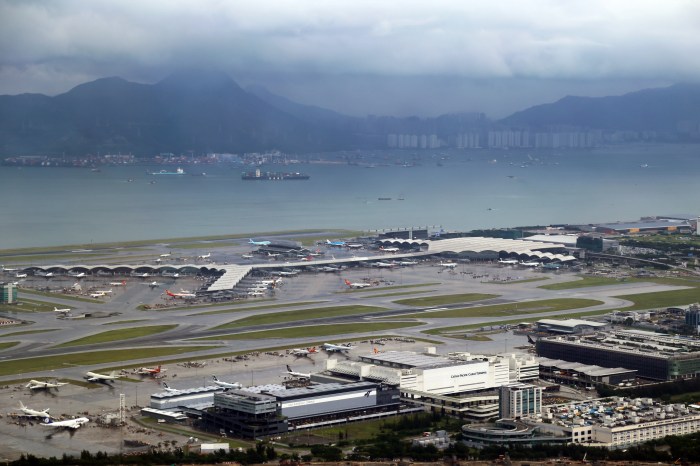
39 385
74 423
20 275
530 264
353 245
335 243
48 275
29 412
5 269
272 254
221 383
183 294
383 265
204 256
110 291
62 311
448 265
357 284
301 375
247 256
258 243
95 377
508 261
256 293
121 283
165 255
331 348
405 263
97 294
77 274
169 389
153 284
389 249
140 275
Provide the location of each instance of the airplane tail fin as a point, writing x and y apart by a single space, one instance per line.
113 374
347 282
47 420
165 385
289 369
214 378
21 405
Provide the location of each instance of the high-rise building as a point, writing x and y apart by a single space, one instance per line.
8 293
517 400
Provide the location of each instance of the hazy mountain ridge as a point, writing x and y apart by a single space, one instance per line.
659 109
208 111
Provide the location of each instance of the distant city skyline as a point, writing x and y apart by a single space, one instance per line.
388 58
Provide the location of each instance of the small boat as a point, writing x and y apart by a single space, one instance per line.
179 171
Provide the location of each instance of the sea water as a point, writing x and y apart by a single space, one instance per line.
455 190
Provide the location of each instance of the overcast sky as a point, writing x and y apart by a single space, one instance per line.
379 56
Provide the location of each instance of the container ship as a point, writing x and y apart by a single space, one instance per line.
259 175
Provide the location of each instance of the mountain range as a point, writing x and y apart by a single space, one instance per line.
209 112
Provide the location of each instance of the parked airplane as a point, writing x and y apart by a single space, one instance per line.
110 291
140 275
153 284
169 389
335 243
383 265
204 256
407 263
258 243
48 275
183 294
530 264
62 311
272 254
29 412
97 294
508 261
96 377
331 348
20 275
77 274
150 370
357 284
121 283
389 249
5 269
221 383
74 423
39 385
301 375
255 293
354 245
165 255
448 265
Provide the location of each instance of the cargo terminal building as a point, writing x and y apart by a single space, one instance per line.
247 414
461 384
654 356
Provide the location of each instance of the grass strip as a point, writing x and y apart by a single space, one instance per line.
89 358
8 344
445 299
508 309
315 331
126 321
513 282
300 315
118 335
398 293
387 288
587 281
663 299
254 308
60 296
28 332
